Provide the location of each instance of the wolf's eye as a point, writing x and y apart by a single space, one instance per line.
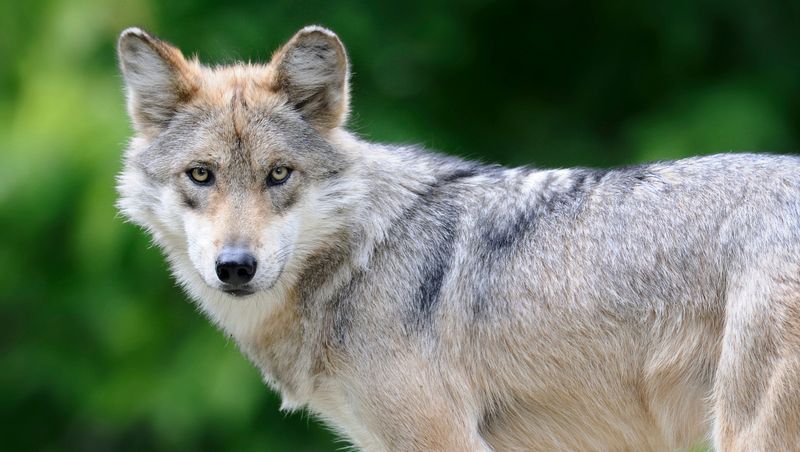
200 175
278 175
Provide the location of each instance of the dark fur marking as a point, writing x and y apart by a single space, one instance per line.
190 203
291 199
237 101
341 306
503 233
547 198
308 106
487 419
284 196
502 236
433 272
338 310
583 181
319 269
577 187
506 234
187 200
434 217
499 238
461 173
466 171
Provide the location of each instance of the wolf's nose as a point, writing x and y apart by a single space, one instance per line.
235 266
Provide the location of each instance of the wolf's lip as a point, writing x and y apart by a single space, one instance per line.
239 292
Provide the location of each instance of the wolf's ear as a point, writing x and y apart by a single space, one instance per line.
312 70
157 77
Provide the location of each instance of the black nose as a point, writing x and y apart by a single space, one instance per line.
235 266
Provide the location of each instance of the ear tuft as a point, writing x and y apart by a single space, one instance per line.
312 70
157 77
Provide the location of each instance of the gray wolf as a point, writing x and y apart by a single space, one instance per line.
415 301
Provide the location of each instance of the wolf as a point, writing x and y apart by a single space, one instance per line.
415 301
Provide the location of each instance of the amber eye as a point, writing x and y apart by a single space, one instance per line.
200 175
278 175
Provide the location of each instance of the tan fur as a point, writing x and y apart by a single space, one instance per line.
251 84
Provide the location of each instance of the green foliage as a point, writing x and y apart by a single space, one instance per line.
100 350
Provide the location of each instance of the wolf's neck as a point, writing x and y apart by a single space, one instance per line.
381 185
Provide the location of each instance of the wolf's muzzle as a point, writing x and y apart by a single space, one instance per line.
235 267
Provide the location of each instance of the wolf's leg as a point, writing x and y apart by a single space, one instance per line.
409 407
757 387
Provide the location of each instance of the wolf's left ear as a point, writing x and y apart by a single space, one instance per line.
158 79
312 70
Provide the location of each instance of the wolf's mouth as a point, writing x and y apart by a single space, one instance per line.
239 292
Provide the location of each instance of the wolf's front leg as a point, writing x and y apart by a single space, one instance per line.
757 387
407 406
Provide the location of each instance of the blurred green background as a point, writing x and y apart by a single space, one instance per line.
100 350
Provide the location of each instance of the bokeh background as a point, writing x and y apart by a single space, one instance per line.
98 348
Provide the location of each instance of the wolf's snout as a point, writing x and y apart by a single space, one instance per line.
235 266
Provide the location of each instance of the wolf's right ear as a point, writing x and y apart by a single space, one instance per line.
157 77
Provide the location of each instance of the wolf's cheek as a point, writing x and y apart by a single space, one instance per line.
156 206
201 246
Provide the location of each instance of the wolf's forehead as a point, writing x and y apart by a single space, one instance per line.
250 84
238 132
238 96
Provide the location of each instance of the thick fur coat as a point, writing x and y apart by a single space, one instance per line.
420 302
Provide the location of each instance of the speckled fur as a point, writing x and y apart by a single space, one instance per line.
420 302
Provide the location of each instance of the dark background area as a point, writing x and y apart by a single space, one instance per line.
99 350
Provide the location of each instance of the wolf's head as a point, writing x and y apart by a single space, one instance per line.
232 168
